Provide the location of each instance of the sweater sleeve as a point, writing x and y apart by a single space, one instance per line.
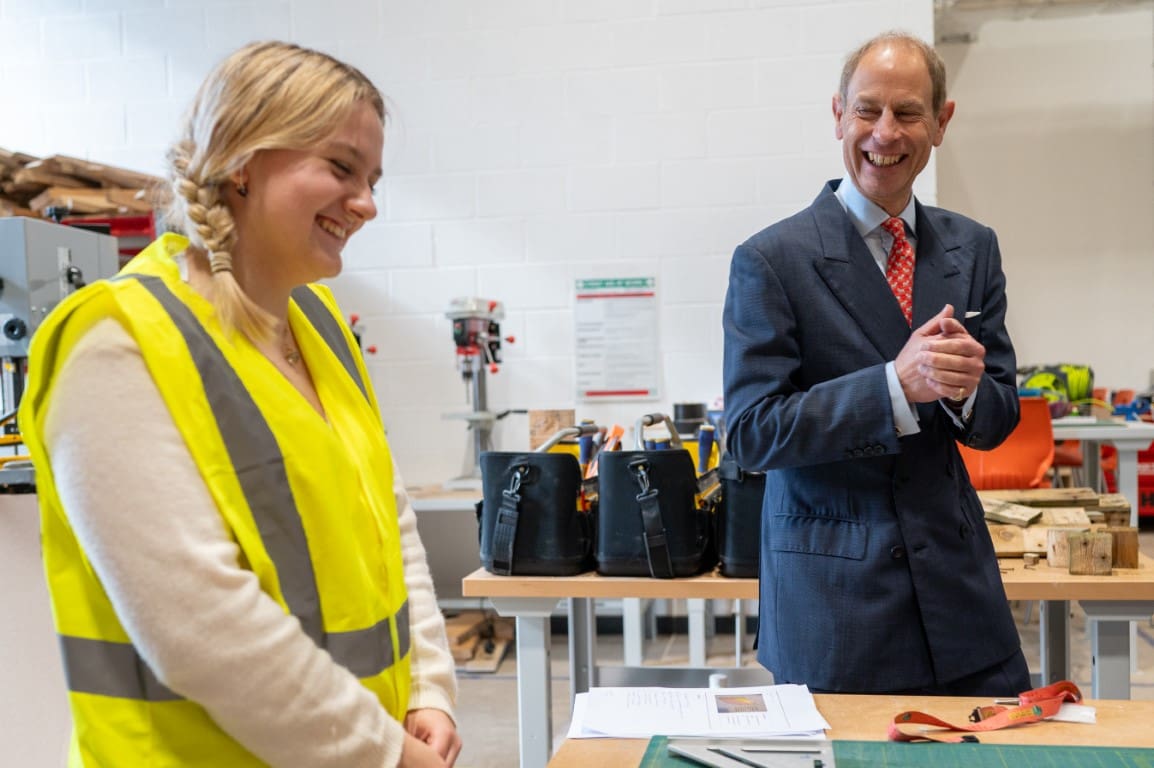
150 528
434 683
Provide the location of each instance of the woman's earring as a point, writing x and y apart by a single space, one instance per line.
242 190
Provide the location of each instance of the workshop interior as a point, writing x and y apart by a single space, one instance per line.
539 307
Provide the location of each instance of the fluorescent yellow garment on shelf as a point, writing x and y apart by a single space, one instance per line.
308 499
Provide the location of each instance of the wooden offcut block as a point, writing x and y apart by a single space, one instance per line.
544 424
1001 511
1007 540
1034 539
1115 507
488 658
1045 497
1125 546
1091 553
464 632
1030 559
1064 516
1058 546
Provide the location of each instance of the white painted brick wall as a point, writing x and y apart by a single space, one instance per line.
479 242
82 37
509 193
529 144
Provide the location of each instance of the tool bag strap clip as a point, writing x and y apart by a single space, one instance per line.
653 527
505 531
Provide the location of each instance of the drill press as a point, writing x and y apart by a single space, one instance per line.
477 334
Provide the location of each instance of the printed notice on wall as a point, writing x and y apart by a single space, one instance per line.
615 320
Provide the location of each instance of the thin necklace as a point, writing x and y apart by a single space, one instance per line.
288 347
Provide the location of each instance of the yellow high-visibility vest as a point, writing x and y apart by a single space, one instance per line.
309 502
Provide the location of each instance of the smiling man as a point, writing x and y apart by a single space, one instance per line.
864 336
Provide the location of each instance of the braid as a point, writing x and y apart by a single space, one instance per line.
214 229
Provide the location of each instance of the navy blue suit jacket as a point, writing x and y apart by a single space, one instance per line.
877 570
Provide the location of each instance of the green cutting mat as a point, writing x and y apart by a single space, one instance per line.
888 754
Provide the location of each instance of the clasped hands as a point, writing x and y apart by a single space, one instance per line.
940 360
431 740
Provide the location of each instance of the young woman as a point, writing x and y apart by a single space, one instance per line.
235 569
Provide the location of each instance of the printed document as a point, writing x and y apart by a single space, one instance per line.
763 711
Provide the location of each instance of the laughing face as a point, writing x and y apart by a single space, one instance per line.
886 123
303 205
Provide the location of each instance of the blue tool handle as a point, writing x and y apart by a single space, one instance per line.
585 450
704 448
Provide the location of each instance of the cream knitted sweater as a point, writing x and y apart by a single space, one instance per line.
146 520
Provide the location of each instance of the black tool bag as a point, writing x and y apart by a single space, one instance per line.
648 523
739 520
530 521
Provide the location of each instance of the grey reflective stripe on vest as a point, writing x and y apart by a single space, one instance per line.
256 457
115 669
110 669
367 652
326 325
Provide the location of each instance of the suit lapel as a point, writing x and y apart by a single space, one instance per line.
852 276
940 277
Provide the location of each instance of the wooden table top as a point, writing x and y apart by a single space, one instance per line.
1045 583
1038 583
864 718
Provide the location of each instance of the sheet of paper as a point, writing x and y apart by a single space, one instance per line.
758 711
1076 713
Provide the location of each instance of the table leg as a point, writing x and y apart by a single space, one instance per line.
1110 644
738 631
1054 636
1128 479
1092 465
695 606
632 630
1110 654
534 677
582 646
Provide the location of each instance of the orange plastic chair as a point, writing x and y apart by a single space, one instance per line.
1123 396
1023 460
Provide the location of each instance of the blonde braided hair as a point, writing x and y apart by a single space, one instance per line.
270 95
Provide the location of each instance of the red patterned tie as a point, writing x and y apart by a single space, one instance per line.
900 267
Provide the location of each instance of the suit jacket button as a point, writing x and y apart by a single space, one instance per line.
897 553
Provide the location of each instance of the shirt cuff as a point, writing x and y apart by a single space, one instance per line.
905 416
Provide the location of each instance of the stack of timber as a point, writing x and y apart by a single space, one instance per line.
477 640
30 186
1073 528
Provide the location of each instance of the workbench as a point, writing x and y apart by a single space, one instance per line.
1110 603
864 718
